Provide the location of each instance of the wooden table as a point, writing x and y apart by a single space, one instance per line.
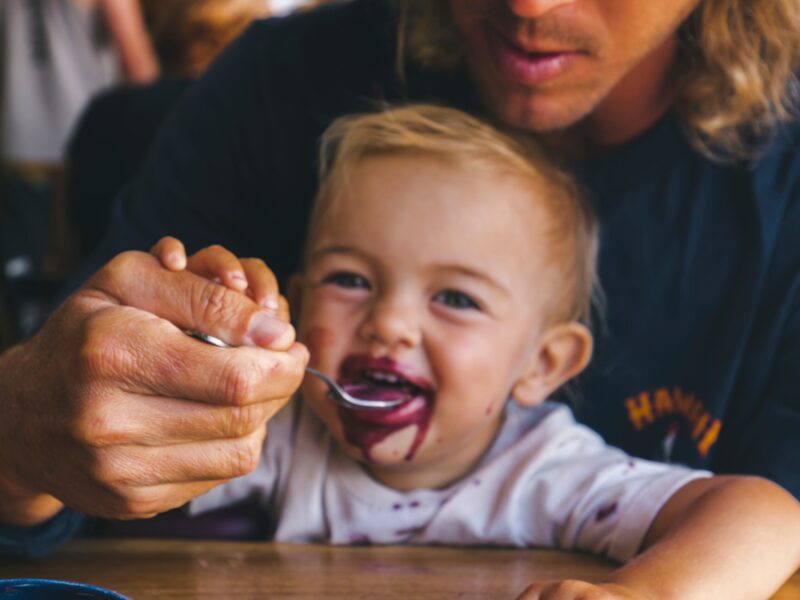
144 569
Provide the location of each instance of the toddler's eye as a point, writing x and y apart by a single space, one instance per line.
454 299
345 279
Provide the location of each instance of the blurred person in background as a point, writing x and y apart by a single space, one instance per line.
113 135
679 119
55 54
284 7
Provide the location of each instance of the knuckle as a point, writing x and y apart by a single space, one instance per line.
241 421
136 505
97 430
100 355
570 586
105 471
216 303
563 586
531 591
247 455
301 356
115 272
122 263
237 385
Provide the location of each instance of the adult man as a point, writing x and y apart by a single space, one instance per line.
694 360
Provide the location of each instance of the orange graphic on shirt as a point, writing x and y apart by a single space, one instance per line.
646 408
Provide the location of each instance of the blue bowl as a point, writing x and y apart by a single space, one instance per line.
49 589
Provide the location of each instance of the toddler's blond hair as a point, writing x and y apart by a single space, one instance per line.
468 142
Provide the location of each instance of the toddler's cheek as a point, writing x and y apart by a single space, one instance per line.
318 340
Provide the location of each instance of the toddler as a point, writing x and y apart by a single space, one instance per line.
452 267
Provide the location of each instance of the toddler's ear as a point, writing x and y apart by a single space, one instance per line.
563 352
294 293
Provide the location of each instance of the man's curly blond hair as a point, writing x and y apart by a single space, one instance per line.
189 34
741 61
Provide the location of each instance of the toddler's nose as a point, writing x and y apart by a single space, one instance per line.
390 324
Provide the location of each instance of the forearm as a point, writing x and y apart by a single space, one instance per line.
19 505
722 538
124 20
23 509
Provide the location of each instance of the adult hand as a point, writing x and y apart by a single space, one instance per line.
571 589
114 411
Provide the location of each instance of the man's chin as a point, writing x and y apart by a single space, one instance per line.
537 111
535 116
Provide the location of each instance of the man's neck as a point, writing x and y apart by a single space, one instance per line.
634 105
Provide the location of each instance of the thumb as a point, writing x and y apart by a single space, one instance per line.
189 301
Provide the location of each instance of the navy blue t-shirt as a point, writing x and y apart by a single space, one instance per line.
698 355
700 261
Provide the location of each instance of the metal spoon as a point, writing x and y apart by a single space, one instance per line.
339 396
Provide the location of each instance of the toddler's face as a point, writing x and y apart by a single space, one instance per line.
429 282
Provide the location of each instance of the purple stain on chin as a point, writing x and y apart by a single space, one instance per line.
397 506
414 504
606 511
366 428
476 482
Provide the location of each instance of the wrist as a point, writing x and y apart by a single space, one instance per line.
622 587
18 504
24 510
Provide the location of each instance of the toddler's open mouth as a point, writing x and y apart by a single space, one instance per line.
382 378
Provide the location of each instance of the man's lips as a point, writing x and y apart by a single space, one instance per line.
531 65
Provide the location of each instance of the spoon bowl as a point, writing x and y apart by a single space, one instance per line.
342 398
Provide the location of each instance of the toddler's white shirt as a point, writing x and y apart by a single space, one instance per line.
545 481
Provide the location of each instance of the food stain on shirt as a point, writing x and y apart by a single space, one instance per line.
606 511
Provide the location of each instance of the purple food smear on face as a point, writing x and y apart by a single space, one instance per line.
605 512
366 428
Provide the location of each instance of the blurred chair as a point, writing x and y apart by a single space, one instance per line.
54 55
114 135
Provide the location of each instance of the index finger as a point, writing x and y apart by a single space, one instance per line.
189 301
168 363
171 252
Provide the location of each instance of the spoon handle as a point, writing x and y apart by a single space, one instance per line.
338 394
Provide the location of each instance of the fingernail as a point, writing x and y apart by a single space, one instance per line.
238 279
269 332
177 260
270 303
